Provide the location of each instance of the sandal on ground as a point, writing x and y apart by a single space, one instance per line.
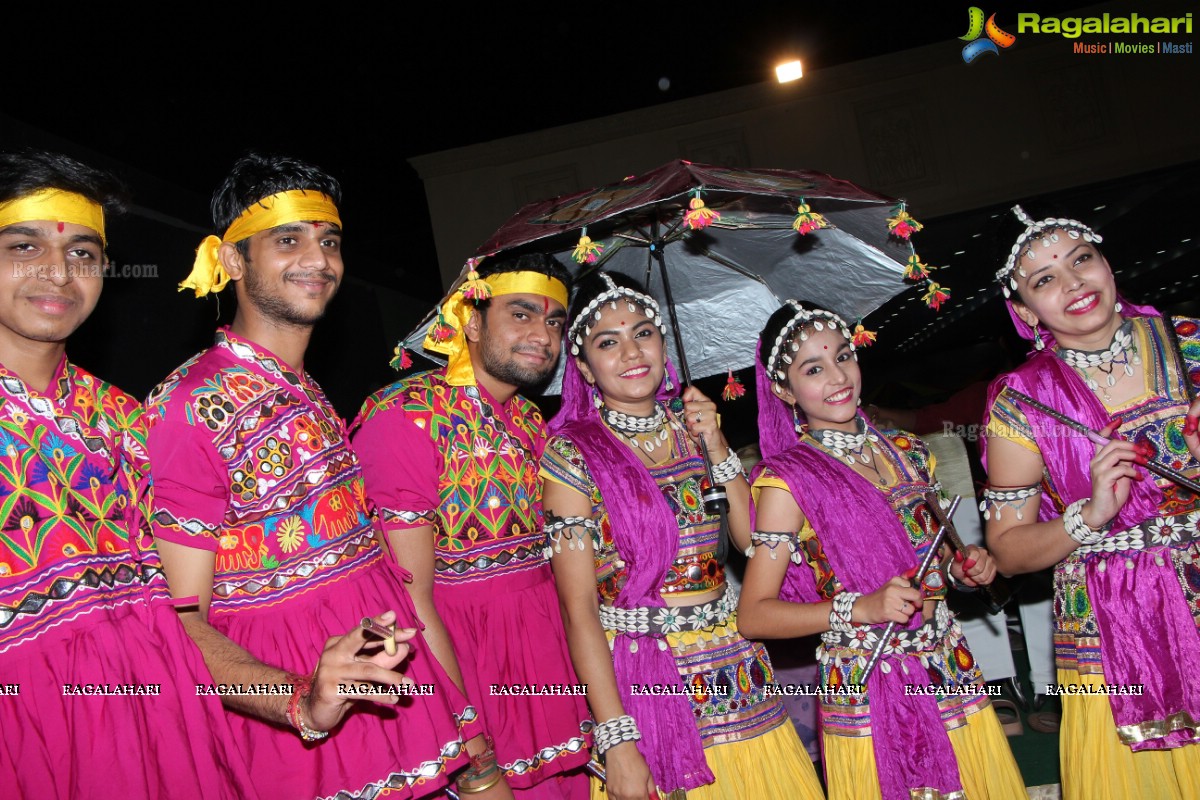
1009 716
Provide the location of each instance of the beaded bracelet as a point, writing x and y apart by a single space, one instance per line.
302 688
841 614
615 731
1079 530
728 469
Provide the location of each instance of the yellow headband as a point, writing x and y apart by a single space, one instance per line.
446 334
296 205
54 205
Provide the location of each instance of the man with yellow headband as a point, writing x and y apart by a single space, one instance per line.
97 675
451 462
260 516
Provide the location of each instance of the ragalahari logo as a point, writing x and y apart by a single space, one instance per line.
976 27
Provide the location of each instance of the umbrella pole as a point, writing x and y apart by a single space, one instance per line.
716 500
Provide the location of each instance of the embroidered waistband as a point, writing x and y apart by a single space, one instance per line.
903 642
1170 531
670 619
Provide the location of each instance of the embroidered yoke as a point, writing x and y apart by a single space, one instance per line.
69 467
251 461
452 458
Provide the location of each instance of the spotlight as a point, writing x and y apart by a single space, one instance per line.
789 72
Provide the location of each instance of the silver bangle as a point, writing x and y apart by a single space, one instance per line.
1079 530
840 615
728 469
615 731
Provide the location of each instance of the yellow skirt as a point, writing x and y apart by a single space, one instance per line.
985 763
1096 766
774 765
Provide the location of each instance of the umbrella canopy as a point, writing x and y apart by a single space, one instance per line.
735 246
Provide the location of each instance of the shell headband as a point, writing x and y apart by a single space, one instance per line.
582 326
1044 231
786 344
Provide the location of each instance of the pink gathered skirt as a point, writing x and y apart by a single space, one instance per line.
507 632
410 750
60 743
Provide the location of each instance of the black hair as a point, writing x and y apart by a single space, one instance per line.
28 171
541 263
775 324
255 176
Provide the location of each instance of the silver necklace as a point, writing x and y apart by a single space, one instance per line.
1121 353
850 447
631 427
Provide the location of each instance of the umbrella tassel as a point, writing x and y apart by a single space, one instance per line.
475 288
442 330
807 220
699 215
936 295
915 270
401 360
862 337
902 224
587 251
733 388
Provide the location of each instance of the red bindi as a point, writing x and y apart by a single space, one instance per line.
61 227
545 305
315 224
825 346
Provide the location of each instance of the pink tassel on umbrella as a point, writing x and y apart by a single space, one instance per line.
935 296
733 388
862 337
808 220
901 224
915 270
402 360
699 216
587 251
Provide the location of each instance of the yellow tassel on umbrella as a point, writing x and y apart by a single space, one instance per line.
915 270
807 220
587 251
475 288
700 216
441 330
863 337
935 296
902 224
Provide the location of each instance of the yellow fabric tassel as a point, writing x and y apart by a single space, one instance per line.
699 216
863 337
807 220
587 251
915 270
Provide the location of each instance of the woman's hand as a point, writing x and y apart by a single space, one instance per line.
1112 469
1191 429
626 775
895 601
974 568
700 417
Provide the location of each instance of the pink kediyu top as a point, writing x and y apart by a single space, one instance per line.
250 461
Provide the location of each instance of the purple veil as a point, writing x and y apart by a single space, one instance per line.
647 536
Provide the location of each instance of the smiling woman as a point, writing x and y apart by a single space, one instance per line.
682 700
853 510
1124 547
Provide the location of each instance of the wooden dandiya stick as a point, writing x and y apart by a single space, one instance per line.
385 632
926 563
1095 438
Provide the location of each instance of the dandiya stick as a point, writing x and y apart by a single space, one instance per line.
387 633
926 563
1095 438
